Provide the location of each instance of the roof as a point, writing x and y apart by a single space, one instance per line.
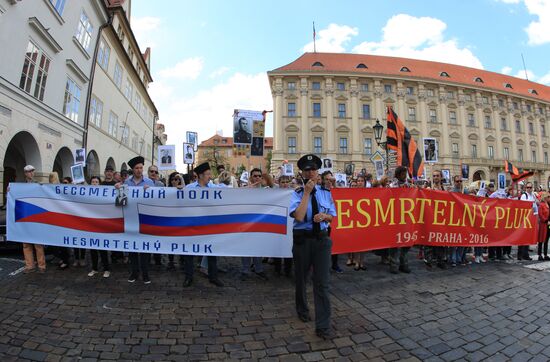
421 69
228 142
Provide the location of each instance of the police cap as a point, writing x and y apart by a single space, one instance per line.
309 162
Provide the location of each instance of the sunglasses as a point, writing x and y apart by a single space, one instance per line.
256 175
153 171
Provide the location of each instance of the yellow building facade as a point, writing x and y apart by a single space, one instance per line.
328 103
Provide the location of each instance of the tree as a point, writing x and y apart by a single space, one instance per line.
214 156
268 158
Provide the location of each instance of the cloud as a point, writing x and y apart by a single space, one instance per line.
211 109
219 72
545 79
419 38
539 30
144 29
521 74
332 39
510 1
506 70
189 68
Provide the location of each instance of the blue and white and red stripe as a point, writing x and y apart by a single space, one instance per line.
210 220
97 218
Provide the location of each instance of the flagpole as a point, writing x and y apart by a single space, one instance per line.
314 36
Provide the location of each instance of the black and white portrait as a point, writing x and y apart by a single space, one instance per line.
327 164
188 154
257 148
349 168
193 139
379 169
242 133
465 171
446 174
80 156
501 181
341 180
430 150
77 173
167 158
288 170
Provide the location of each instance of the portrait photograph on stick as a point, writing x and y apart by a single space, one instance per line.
430 150
188 154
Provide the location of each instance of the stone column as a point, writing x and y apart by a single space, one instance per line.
331 128
278 134
305 134
463 152
481 146
444 140
512 123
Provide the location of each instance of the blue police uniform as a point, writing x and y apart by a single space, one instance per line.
312 250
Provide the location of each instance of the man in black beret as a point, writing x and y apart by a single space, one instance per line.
312 208
204 176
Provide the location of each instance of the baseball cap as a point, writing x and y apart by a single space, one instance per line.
28 168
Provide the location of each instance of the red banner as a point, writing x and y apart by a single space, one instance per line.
379 218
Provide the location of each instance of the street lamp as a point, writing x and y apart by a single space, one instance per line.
378 129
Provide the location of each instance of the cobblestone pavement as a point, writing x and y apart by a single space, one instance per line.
495 311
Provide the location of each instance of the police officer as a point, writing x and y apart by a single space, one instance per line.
312 208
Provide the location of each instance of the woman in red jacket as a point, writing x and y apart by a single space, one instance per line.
544 213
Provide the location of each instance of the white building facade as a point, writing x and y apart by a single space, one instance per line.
47 56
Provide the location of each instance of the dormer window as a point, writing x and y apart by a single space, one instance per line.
361 66
317 64
404 69
508 85
478 80
444 74
533 91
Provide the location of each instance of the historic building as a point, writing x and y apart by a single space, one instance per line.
71 76
328 103
221 150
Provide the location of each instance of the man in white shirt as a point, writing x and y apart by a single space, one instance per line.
527 195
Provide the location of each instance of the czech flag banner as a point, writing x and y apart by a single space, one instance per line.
97 218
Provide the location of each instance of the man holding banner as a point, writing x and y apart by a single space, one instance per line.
312 208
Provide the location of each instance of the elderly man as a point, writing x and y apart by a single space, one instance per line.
138 260
153 173
312 208
28 248
242 135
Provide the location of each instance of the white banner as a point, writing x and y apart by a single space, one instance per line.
195 221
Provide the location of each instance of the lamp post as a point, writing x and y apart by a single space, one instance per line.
378 129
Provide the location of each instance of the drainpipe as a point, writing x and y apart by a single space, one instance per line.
89 93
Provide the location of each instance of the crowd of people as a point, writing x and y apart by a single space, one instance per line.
311 228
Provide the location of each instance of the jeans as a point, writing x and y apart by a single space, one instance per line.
138 260
457 254
246 261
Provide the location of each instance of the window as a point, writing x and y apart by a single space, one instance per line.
84 31
71 101
455 149
531 128
120 34
361 66
103 54
484 100
137 102
317 110
113 124
317 64
341 86
533 91
96 111
468 97
488 123
291 85
135 141
405 69
546 157
518 125
129 91
520 155
471 120
506 153
366 111
503 124
444 74
412 114
117 76
341 110
450 94
316 85
291 144
365 87
59 5
543 130
317 145
343 145
533 156
367 144
501 103
410 91
125 135
291 109
430 92
508 85
474 151
433 115
529 108
515 105
387 88
452 117
31 63
541 111
478 80
491 152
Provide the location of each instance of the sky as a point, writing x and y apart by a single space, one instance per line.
210 57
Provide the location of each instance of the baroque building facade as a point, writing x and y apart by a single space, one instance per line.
328 103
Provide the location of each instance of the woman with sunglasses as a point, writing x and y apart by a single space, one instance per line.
175 180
